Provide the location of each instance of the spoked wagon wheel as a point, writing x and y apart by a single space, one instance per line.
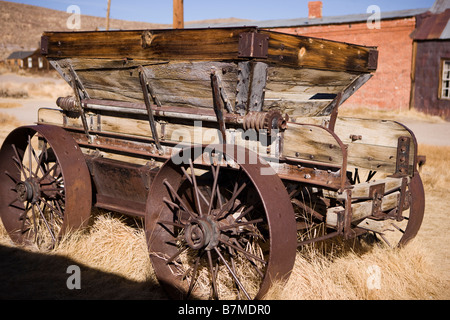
400 228
219 232
400 231
45 187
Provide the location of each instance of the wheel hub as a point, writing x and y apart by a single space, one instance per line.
27 190
202 233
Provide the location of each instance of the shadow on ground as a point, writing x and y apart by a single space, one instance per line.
18 279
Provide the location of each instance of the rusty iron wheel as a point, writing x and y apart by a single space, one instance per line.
403 230
45 188
216 232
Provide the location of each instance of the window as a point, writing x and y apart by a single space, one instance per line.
444 92
30 63
41 62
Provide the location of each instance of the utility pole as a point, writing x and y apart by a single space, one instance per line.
107 14
178 15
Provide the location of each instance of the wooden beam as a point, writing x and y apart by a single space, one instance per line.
107 14
178 14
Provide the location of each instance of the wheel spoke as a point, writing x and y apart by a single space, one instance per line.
173 257
196 191
176 196
240 224
229 204
213 276
193 276
52 208
398 228
30 161
214 186
175 224
232 273
48 172
49 228
11 177
247 254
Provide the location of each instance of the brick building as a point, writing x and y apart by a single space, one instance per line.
392 87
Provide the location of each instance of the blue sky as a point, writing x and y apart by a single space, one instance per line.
160 11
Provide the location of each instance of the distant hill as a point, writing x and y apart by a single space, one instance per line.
21 25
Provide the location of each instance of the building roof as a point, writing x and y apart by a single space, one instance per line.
20 54
302 22
433 26
440 6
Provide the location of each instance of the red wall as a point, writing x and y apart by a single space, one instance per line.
390 87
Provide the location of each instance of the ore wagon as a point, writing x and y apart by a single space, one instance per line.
225 141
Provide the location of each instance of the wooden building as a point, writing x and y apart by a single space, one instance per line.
32 61
430 90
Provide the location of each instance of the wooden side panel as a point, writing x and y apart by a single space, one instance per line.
212 44
304 74
189 83
372 144
312 143
307 52
362 210
188 44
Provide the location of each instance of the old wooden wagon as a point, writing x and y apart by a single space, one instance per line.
226 141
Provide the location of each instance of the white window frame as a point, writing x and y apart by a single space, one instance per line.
30 62
444 80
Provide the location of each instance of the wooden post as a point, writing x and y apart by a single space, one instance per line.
178 15
107 14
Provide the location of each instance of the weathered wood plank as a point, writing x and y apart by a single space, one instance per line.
316 53
219 44
362 210
296 109
191 44
362 190
377 148
309 142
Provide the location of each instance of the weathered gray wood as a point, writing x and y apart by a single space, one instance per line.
242 87
307 142
377 148
304 92
362 210
362 190
257 86
348 91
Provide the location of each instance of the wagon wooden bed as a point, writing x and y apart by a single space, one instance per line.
226 141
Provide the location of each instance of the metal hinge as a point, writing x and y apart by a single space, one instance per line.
373 60
253 45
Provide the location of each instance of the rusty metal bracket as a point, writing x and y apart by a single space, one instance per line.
253 45
372 64
334 111
44 45
147 91
401 200
223 93
348 232
376 192
80 93
402 162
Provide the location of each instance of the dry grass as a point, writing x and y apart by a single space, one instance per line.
7 105
46 88
402 273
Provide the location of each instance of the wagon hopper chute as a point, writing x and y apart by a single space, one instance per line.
227 141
